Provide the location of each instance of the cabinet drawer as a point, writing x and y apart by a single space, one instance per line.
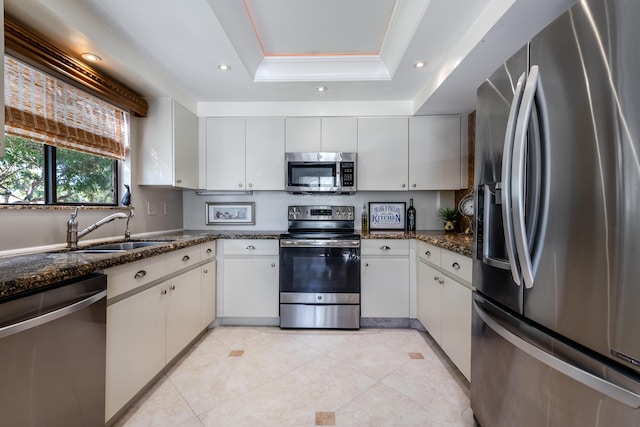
127 277
389 247
208 250
429 253
183 258
459 265
251 247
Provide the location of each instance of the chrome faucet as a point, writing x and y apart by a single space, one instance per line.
73 235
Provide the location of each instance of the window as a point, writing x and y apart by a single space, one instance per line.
62 145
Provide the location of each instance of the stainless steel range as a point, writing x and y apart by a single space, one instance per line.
320 269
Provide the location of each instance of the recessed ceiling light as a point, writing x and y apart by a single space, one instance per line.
91 57
224 67
321 89
420 64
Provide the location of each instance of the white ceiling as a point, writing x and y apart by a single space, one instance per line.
279 51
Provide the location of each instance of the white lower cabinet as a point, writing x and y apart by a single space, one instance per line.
384 278
444 302
250 278
146 329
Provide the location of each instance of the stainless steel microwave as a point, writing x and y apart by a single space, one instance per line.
320 173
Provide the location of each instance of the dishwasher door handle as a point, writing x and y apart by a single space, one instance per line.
5 331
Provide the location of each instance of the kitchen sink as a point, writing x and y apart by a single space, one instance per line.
106 248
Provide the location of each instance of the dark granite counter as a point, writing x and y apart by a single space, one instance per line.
25 273
455 242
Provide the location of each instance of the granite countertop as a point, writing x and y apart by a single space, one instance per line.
29 272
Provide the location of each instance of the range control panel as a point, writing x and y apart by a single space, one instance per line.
321 213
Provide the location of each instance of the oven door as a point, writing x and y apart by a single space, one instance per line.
309 267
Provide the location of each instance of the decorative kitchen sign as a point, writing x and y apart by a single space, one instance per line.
387 216
227 213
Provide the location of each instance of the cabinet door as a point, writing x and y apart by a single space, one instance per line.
434 153
135 345
340 134
429 300
383 150
385 287
251 287
456 324
303 134
225 153
183 311
185 147
265 153
208 304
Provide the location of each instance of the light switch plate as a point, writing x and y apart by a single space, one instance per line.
152 208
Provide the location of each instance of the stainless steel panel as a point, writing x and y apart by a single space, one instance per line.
318 243
320 316
53 361
319 298
586 282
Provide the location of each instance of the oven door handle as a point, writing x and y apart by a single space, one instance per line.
319 243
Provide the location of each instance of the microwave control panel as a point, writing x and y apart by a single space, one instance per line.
346 171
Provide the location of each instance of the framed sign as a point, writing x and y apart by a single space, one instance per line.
227 213
387 216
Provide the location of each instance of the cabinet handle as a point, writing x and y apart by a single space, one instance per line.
140 274
185 258
385 248
456 266
163 292
428 253
273 264
250 185
240 185
209 250
250 248
179 181
172 287
414 185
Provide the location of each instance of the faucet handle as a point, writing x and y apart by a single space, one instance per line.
75 212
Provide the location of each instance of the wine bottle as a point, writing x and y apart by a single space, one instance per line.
411 217
365 220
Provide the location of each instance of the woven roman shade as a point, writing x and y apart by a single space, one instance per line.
42 108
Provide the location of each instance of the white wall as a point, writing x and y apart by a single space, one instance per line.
27 228
271 207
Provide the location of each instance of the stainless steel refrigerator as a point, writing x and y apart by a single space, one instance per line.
556 311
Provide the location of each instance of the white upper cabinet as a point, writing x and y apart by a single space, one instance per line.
435 153
383 146
265 153
245 154
340 134
168 153
328 134
225 153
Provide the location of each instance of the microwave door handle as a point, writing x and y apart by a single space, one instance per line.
518 177
507 166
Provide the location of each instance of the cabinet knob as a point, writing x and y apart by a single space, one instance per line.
185 258
366 264
414 185
441 281
209 250
140 274
456 266
273 264
205 271
240 185
404 185
385 248
250 185
172 287
179 181
250 248
163 292
428 253
435 278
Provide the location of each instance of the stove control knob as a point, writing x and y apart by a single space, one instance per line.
294 213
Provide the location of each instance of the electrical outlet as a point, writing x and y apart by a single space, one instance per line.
166 209
152 208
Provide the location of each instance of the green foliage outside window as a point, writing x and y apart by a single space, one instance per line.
79 177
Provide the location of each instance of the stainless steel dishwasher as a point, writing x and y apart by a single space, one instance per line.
52 355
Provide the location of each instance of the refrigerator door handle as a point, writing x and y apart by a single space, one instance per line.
518 172
597 383
507 165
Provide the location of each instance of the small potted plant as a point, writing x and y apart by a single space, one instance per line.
448 215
